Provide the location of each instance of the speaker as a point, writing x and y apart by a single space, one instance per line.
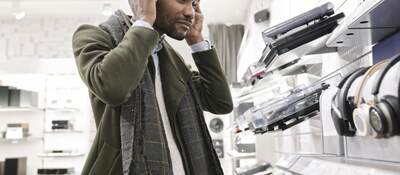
15 166
261 16
216 125
219 147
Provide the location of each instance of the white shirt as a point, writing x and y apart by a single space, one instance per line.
176 157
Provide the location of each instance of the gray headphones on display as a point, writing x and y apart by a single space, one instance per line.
342 108
361 112
385 112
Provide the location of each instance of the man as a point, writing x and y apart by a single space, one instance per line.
146 103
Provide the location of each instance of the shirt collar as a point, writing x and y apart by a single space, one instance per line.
159 45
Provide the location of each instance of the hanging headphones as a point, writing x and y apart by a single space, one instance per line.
361 112
384 113
341 108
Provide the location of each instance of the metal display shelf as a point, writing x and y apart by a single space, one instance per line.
23 140
61 155
373 21
20 109
335 166
237 155
62 131
59 109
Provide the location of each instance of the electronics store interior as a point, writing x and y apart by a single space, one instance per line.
314 87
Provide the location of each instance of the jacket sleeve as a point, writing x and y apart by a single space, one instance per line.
211 83
112 71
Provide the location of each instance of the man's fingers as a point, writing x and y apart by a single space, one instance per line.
197 7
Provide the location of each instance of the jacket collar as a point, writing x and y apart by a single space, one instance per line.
174 75
173 71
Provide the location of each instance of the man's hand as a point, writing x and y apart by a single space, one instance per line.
144 10
194 35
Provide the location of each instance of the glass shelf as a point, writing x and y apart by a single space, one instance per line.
57 109
238 155
62 131
20 109
23 140
61 155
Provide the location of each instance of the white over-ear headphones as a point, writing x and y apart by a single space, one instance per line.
361 112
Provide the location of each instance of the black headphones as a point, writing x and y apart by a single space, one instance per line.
385 112
341 108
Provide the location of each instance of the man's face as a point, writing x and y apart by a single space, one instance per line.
174 17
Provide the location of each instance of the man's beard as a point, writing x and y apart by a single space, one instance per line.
171 29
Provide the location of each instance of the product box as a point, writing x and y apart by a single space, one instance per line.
22 98
4 96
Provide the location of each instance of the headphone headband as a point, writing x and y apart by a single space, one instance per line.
344 79
342 95
374 68
377 86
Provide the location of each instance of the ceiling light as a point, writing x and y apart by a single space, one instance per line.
19 15
17 10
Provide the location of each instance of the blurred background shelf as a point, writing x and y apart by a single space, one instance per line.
56 109
61 155
17 141
21 109
62 131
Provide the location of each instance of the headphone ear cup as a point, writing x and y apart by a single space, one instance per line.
342 127
361 121
392 104
378 120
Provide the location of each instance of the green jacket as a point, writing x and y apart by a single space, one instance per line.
112 71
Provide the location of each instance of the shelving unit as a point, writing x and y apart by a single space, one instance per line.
64 102
18 141
63 109
28 146
43 138
21 109
52 155
63 131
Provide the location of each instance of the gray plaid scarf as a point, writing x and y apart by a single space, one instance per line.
143 142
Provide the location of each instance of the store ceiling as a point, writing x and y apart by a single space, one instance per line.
216 11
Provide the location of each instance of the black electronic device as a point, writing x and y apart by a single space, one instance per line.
300 20
342 108
54 171
292 41
287 112
4 93
219 147
60 125
22 98
15 166
261 16
385 111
